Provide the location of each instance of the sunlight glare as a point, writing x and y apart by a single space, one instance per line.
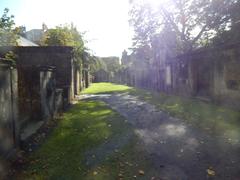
156 3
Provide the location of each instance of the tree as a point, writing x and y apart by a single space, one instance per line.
67 35
112 63
96 64
124 58
191 21
230 35
62 36
8 34
144 22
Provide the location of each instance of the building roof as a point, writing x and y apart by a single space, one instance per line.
25 42
34 35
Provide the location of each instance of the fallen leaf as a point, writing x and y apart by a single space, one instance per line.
120 175
211 172
141 172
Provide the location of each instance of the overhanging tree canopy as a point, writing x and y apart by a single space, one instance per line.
190 22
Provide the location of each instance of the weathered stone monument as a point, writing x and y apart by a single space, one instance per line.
9 126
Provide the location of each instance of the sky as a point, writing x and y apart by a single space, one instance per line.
105 21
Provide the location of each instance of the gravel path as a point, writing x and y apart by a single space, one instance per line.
176 149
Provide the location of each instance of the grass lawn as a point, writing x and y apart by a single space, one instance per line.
106 88
87 126
82 147
214 119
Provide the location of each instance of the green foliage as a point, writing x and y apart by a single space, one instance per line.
112 63
11 56
8 34
68 35
63 36
107 68
21 30
145 23
230 35
180 23
96 64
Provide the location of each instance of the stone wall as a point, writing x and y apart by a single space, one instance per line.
35 103
42 90
210 74
43 83
59 57
226 77
9 128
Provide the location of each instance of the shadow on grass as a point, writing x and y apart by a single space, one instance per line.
85 126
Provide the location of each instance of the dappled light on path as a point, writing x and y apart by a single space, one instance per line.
175 130
184 150
88 96
151 136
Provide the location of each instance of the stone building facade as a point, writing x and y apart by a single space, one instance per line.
211 74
